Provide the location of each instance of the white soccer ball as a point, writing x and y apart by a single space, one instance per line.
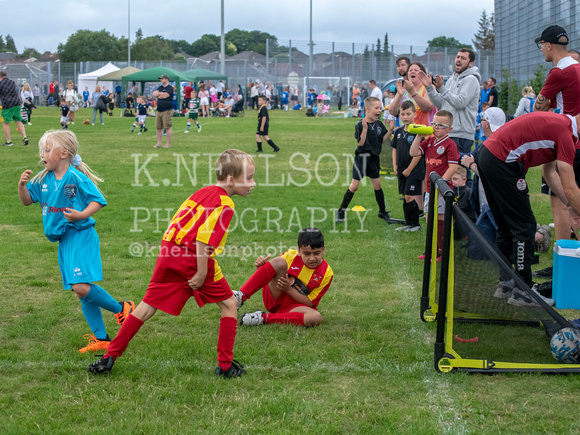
565 345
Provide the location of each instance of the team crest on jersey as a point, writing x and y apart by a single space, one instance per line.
44 208
379 129
440 150
521 184
70 190
44 187
316 278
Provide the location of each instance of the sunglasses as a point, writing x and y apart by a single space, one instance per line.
438 125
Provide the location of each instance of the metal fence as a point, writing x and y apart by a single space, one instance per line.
358 62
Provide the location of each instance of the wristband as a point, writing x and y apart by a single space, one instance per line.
413 96
469 166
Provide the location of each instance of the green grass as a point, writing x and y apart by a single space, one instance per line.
367 369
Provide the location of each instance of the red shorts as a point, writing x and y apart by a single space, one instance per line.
284 304
169 290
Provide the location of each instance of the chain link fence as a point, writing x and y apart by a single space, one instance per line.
356 62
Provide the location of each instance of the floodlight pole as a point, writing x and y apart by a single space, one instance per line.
223 46
128 32
311 45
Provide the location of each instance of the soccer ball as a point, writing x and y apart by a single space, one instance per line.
565 345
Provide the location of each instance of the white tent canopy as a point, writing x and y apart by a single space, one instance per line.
90 79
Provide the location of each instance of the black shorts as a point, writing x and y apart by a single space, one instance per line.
411 186
262 133
576 165
366 165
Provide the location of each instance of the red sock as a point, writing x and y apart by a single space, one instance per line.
439 237
226 339
130 327
258 280
292 318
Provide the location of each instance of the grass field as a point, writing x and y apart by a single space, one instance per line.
367 369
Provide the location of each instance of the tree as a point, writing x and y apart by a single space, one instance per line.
378 51
441 42
152 48
138 34
181 46
386 51
539 78
206 44
91 45
485 36
29 52
251 41
10 45
2 44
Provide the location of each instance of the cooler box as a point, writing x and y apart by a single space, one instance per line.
566 274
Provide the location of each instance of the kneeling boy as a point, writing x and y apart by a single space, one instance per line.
292 284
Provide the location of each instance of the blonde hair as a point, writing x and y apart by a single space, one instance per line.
26 87
97 88
461 171
231 162
371 100
65 140
528 91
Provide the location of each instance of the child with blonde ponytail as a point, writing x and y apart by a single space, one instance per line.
67 191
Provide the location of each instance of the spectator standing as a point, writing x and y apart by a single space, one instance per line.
493 96
27 97
96 98
164 116
10 108
460 96
187 90
36 94
72 100
484 96
526 104
403 63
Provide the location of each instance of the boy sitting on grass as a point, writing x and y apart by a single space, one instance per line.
292 284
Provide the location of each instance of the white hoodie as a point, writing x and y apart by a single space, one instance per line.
460 96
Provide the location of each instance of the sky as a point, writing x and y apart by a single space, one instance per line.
43 24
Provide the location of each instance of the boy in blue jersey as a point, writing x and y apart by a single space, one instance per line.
284 98
64 114
68 195
86 95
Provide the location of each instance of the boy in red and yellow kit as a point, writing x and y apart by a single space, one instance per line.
292 284
186 266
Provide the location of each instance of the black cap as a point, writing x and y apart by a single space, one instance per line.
552 35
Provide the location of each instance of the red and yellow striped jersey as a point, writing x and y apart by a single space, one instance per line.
310 282
204 216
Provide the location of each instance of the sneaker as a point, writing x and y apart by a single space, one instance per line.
238 294
403 228
421 214
522 299
340 216
545 289
25 141
72 123
252 319
504 289
144 129
385 216
95 344
199 129
104 365
140 133
414 229
30 123
543 273
421 257
128 308
8 144
235 370
186 131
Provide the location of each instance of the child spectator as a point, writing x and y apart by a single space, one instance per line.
141 115
192 111
67 208
410 170
463 192
186 266
370 134
441 156
311 97
284 98
292 284
263 124
64 114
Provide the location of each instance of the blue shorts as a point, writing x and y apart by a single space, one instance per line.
79 257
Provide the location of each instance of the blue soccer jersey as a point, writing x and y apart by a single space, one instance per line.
142 109
284 96
74 190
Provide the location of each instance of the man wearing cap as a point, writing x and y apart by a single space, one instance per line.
536 139
561 91
10 108
164 116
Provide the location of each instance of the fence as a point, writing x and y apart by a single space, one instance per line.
358 62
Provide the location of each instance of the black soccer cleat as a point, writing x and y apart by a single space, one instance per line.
544 273
104 365
235 370
385 216
340 215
